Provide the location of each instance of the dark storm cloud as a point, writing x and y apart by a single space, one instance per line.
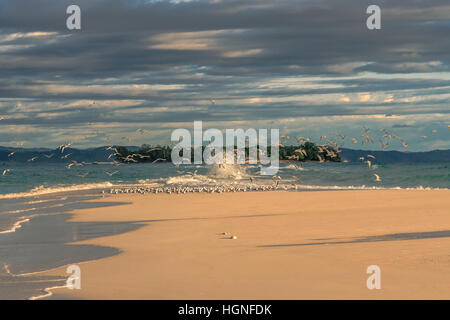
227 50
314 35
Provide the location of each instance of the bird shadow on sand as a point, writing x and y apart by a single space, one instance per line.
378 238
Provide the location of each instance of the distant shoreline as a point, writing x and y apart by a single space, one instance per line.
100 155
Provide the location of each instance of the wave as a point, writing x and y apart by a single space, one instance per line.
190 180
46 200
227 171
41 190
364 187
19 211
16 225
294 167
216 176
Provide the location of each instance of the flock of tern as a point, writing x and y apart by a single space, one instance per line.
330 148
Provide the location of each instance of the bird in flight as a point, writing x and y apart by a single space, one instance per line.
159 159
142 131
64 146
404 144
83 175
377 177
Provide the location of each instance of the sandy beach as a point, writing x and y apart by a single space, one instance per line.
290 245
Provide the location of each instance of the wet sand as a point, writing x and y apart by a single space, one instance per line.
290 245
45 241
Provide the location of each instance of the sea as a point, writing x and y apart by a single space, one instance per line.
36 201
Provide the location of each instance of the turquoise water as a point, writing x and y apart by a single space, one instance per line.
23 178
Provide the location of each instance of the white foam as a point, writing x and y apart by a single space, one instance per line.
294 167
227 171
364 187
43 190
190 180
48 292
16 226
19 211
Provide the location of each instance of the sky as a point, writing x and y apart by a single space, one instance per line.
137 70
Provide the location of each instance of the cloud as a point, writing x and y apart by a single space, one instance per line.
137 63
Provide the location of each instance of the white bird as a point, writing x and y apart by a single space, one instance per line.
369 163
11 154
5 171
377 177
64 146
192 173
111 173
32 159
159 159
83 175
367 139
371 156
404 144
299 139
48 156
